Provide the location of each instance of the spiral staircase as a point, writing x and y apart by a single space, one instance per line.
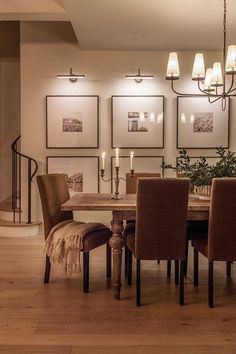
11 223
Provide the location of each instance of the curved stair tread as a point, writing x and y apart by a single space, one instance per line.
17 224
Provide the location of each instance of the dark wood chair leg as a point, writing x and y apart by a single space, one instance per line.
186 259
47 270
168 269
228 269
176 272
86 271
129 266
181 283
138 281
195 267
108 260
210 284
126 261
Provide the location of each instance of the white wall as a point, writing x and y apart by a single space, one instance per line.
9 99
50 48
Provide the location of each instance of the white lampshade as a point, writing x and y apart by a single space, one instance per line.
142 117
198 67
230 67
217 78
152 117
182 118
160 118
192 118
207 81
172 71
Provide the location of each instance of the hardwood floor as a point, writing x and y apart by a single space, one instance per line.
59 319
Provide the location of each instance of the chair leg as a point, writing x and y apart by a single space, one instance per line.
168 269
210 284
195 267
47 270
158 261
181 285
86 271
176 272
126 260
186 259
129 266
228 269
138 280
108 259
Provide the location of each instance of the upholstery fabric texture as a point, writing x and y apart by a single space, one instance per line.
222 221
53 192
161 219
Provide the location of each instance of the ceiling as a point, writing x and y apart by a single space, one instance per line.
134 24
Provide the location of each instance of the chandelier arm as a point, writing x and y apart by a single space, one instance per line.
199 87
179 93
231 86
216 99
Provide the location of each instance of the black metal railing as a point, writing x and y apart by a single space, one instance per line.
16 181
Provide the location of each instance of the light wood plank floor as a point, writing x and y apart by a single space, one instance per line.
58 318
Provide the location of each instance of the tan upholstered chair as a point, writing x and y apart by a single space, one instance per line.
53 192
221 243
131 188
161 220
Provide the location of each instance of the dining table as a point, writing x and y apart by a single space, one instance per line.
124 209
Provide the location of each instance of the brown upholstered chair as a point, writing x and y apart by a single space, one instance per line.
161 219
131 188
221 242
53 192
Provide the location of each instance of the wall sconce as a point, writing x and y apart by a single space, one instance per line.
72 77
139 78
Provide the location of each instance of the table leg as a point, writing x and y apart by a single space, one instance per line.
117 242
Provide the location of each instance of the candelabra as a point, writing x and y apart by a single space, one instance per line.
116 179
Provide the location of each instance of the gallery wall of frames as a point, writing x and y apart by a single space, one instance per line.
68 126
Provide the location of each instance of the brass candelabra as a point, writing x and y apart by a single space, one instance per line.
117 180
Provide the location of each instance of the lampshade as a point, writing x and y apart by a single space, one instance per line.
183 118
172 72
198 72
230 67
152 117
207 82
217 78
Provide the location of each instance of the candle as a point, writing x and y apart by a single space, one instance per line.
103 160
131 159
117 157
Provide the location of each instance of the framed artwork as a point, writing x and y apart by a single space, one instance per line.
82 172
137 122
72 122
140 164
201 124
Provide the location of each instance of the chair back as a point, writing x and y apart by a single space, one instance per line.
53 192
131 182
222 220
161 218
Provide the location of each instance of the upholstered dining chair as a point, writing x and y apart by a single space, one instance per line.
221 242
131 188
161 219
53 192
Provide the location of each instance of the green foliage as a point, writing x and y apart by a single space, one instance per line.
200 172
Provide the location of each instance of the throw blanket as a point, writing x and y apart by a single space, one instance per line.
65 241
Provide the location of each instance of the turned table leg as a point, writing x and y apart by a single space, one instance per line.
117 242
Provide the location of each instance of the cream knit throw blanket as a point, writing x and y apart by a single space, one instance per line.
65 241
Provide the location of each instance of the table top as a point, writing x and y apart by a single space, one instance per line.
104 202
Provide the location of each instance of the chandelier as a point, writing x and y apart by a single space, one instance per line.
212 82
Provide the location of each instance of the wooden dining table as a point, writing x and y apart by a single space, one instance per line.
125 209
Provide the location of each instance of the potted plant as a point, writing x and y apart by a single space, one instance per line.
201 172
